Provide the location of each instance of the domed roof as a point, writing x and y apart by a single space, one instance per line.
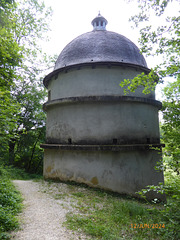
100 46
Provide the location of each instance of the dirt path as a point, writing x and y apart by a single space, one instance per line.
42 216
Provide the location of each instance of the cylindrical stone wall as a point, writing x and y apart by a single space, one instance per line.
105 120
87 106
126 170
93 80
97 135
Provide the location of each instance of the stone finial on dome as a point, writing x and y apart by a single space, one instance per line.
99 23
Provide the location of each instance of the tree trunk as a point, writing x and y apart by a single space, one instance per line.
12 144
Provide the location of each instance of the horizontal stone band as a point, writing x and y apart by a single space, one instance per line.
71 100
113 148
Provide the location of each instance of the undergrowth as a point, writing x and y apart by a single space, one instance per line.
100 214
10 199
103 215
14 173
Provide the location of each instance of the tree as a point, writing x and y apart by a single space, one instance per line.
171 124
10 59
10 51
26 23
30 129
161 41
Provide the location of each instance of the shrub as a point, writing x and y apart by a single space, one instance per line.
10 204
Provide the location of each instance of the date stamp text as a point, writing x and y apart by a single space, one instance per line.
145 225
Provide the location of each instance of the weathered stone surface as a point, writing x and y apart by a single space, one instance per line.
94 133
125 171
101 122
100 46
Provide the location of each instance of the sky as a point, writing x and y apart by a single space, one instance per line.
72 18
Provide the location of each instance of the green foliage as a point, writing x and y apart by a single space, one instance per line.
22 25
9 109
28 154
171 125
161 41
30 129
10 204
148 82
104 215
10 58
10 51
171 211
14 173
10 198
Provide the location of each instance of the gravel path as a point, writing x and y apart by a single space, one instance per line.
42 216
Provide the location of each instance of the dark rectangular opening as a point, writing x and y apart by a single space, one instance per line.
148 140
69 141
114 140
49 95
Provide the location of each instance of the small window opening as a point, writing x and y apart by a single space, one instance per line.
69 140
114 140
49 95
148 140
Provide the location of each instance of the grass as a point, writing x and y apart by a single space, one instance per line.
14 173
10 205
104 215
97 213
10 199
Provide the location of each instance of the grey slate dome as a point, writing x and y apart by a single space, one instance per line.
100 46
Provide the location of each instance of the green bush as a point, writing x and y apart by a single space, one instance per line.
12 173
10 204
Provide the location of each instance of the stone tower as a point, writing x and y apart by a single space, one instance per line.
96 134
